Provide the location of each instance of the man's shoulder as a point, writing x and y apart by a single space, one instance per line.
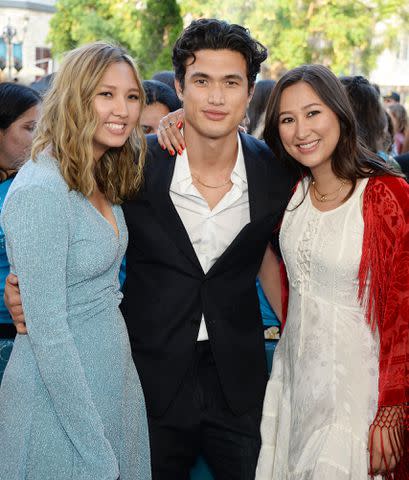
255 146
259 153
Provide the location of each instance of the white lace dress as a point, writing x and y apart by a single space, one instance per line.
322 394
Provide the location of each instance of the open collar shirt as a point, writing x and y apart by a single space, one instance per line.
210 231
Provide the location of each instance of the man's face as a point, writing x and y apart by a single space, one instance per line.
215 95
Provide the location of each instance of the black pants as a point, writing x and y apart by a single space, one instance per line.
199 421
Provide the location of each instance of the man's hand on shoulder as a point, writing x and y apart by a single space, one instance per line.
12 299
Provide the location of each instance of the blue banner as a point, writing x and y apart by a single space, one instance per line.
3 54
18 55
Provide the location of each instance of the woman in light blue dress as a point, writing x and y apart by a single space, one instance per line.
71 404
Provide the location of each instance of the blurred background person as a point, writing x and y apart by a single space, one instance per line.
160 100
166 76
400 125
371 117
257 108
19 112
391 98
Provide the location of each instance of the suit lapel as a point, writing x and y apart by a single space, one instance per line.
165 211
257 181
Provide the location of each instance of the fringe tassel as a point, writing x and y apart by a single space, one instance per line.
388 443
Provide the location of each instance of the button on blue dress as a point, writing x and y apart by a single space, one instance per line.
71 404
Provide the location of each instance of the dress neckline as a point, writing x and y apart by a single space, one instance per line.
357 192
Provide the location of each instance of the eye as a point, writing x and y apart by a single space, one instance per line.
105 94
313 113
134 96
231 83
286 120
147 129
30 127
201 82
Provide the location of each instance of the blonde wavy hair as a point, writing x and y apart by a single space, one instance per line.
69 122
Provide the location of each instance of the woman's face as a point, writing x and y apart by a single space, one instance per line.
16 140
309 130
117 107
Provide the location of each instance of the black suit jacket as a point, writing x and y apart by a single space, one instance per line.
403 161
166 290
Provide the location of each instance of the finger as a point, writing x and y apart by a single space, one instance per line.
13 300
21 328
161 140
176 138
164 140
12 279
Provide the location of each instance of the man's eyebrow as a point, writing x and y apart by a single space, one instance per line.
230 76
200 74
233 76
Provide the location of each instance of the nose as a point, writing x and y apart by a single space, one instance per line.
120 106
216 95
302 129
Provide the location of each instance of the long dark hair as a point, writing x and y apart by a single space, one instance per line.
15 99
350 160
258 103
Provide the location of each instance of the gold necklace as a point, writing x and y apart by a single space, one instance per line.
210 186
323 197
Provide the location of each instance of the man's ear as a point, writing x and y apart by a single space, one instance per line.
179 90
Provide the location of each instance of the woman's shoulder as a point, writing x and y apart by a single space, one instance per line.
42 174
395 186
389 195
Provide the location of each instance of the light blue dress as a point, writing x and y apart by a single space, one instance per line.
71 404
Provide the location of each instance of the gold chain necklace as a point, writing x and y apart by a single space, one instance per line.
323 197
210 186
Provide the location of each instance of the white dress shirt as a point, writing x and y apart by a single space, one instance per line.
210 231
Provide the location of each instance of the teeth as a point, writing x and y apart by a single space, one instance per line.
308 145
115 126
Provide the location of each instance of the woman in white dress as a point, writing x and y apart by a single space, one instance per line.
335 408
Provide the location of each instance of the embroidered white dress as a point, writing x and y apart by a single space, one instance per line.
322 394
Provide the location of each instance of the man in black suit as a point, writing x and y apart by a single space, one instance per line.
198 231
197 235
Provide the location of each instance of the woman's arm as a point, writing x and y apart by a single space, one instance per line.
270 279
37 234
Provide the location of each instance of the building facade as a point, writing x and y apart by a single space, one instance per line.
30 22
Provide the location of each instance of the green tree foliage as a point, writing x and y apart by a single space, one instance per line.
337 33
160 27
81 21
148 29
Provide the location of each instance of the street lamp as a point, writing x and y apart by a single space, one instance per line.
11 52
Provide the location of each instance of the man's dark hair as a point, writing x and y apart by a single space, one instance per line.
161 93
212 34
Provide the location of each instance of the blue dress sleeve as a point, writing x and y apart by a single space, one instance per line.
35 221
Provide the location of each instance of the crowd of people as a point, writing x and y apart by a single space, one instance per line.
172 240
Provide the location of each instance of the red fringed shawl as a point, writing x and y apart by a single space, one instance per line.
384 291
384 269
